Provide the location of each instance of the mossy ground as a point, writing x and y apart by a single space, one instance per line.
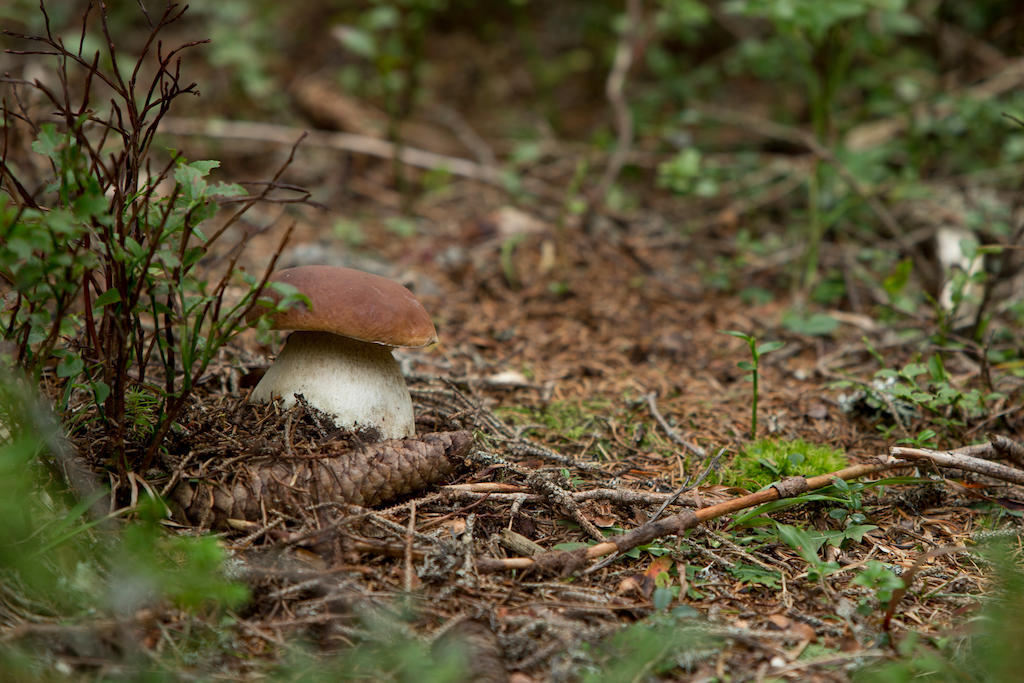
767 460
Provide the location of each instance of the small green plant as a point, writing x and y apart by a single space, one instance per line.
921 390
988 649
658 645
386 40
881 582
807 544
685 173
383 646
818 41
106 297
764 461
753 575
59 564
753 367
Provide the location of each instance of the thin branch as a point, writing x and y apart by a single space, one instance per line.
614 91
671 433
345 142
569 562
960 461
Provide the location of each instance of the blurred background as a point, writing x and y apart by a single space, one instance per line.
827 143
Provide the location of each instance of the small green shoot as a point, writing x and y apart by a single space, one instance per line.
753 367
880 581
658 645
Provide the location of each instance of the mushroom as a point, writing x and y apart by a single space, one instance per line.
338 356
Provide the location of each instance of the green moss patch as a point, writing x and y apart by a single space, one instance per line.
571 421
765 461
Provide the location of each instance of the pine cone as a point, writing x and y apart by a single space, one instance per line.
366 476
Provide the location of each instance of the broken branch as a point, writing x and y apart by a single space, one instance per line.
567 562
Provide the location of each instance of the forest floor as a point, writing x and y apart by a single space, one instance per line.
591 360
584 347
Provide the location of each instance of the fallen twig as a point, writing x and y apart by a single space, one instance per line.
345 142
688 485
1008 448
567 562
961 462
671 433
512 492
614 86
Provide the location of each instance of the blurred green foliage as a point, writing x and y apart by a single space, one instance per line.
59 563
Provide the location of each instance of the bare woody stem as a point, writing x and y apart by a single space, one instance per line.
959 460
568 562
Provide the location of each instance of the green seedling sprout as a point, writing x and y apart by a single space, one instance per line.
752 366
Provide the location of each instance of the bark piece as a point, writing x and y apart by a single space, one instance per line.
366 476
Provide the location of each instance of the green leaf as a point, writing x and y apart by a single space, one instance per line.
855 532
190 177
89 205
737 333
806 544
897 280
100 391
662 598
71 365
357 41
49 142
108 297
814 325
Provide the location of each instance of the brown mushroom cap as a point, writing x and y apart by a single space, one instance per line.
353 304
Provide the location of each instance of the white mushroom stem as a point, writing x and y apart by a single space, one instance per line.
358 383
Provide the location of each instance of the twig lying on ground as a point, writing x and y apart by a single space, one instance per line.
567 562
961 461
512 492
1008 448
546 487
671 433
688 485
345 142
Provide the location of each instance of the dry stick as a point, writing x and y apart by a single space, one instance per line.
1008 448
961 462
567 562
346 142
512 493
620 107
652 404
411 531
688 486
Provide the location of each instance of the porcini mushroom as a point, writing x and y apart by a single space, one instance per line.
338 356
